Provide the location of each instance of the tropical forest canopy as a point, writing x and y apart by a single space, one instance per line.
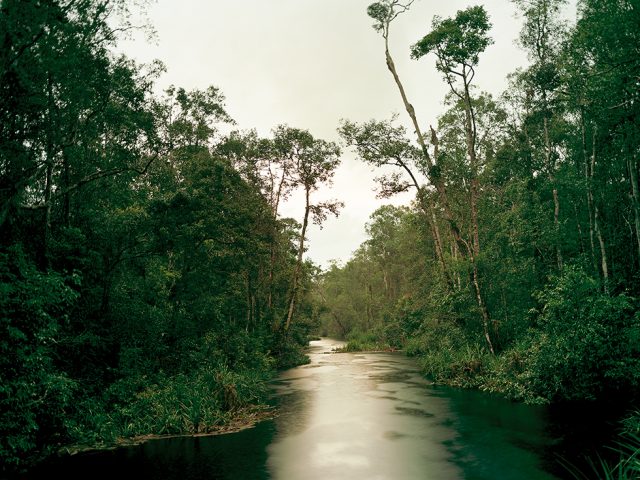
516 268
149 285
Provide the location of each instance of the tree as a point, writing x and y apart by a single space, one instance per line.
384 13
314 162
381 143
540 37
71 113
457 44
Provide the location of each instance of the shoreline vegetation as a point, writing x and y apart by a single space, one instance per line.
619 459
241 420
204 410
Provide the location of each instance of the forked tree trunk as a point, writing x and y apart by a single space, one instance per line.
298 268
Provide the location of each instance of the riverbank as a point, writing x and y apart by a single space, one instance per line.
447 359
240 420
209 400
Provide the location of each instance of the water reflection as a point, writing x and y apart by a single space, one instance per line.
349 416
373 416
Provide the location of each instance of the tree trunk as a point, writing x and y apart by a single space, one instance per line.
579 227
429 211
470 133
556 202
369 307
632 165
486 319
437 182
588 180
603 252
47 212
596 224
298 269
48 187
455 253
470 136
272 261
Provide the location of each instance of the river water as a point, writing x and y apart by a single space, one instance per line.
351 416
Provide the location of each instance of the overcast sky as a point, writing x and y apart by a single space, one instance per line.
310 63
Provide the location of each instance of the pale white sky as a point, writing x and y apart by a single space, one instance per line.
309 63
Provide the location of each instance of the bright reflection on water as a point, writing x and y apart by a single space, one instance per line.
348 416
373 416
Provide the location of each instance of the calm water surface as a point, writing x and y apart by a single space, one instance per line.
350 416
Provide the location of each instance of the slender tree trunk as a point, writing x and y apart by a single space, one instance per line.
369 307
603 252
470 136
548 150
432 220
298 268
455 253
588 180
385 279
579 227
470 131
437 240
48 187
596 224
408 107
272 248
632 165
66 200
47 211
486 318
437 182
248 299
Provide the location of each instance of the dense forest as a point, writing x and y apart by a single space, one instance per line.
517 268
149 284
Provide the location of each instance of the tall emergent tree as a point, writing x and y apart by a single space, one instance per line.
457 44
313 164
384 13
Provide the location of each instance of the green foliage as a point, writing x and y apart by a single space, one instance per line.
456 41
381 339
626 468
447 357
143 265
34 393
192 402
627 450
588 341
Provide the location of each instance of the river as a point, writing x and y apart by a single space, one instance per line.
351 416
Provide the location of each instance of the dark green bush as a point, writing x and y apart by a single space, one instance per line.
587 342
